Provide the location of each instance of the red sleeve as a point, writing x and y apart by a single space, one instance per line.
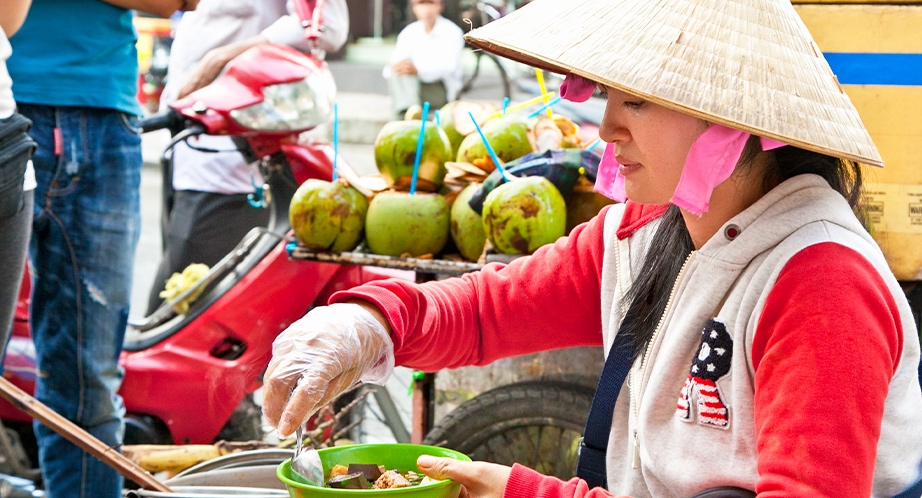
824 351
549 300
527 483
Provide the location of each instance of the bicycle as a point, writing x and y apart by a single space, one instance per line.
494 82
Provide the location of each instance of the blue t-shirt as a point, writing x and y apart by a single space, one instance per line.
76 53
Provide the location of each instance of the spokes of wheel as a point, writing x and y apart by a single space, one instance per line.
533 423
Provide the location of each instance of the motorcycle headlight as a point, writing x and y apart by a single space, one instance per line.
299 105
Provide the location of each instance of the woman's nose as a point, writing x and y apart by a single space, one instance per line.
611 129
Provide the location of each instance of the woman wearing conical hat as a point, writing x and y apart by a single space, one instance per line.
767 345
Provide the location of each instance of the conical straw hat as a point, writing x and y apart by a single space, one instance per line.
746 64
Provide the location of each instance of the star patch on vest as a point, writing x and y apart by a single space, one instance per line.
711 362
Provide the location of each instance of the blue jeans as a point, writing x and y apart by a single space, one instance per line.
85 230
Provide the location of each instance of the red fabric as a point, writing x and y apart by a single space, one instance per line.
636 216
547 301
526 483
813 368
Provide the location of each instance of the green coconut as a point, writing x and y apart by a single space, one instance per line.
328 215
399 224
508 135
467 226
447 123
395 154
523 215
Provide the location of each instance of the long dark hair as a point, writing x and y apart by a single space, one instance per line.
672 244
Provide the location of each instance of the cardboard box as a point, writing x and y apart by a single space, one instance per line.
875 49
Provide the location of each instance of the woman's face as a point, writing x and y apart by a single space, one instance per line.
651 143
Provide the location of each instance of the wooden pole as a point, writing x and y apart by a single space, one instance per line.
70 431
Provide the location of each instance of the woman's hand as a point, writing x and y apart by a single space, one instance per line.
327 352
478 479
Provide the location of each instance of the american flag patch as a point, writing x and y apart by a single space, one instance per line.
712 361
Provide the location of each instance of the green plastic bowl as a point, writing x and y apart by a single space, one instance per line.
393 456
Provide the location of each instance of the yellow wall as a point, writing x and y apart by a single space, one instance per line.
892 114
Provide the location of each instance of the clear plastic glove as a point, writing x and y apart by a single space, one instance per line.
320 356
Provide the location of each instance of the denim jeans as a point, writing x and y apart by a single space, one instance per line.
85 230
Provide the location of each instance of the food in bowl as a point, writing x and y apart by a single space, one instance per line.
371 476
400 458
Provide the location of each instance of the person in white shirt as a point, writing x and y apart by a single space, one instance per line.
426 63
17 178
206 212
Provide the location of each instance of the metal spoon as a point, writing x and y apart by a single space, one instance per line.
306 462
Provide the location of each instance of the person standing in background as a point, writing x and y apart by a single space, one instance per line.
209 213
17 178
75 70
426 63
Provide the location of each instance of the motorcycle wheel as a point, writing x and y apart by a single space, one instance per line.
534 423
245 424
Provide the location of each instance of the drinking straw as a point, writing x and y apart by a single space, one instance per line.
438 118
540 75
505 104
521 105
546 107
486 143
593 144
335 137
419 147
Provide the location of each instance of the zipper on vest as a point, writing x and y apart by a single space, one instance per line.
634 381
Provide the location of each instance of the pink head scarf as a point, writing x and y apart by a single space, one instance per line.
710 160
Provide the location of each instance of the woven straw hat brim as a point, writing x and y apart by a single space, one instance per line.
747 64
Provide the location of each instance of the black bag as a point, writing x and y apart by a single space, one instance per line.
16 148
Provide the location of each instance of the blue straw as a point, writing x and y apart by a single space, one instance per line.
438 118
419 148
499 165
546 106
593 144
335 137
505 104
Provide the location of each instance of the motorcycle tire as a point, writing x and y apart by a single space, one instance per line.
534 423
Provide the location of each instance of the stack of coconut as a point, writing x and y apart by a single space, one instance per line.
419 217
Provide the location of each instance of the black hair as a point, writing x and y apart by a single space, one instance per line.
671 244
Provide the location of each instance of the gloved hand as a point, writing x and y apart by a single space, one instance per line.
322 355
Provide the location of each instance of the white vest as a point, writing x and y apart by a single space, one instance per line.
676 456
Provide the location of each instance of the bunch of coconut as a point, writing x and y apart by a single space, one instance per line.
518 216
411 217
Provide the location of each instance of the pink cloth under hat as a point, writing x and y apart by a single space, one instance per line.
576 88
711 158
710 161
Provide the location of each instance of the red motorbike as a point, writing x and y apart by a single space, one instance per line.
189 378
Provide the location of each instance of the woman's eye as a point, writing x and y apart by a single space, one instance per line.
637 104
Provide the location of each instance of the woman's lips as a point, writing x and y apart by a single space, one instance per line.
626 166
